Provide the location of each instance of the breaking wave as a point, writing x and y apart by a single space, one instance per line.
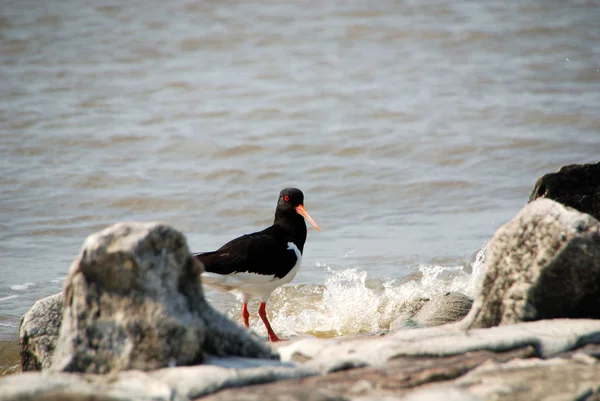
351 303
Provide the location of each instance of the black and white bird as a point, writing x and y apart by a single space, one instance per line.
254 265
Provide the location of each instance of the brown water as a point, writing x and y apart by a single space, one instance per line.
414 128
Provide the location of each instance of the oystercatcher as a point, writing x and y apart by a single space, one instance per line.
254 265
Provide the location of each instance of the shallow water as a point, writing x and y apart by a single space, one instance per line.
415 130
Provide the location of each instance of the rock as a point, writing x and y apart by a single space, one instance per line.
548 337
133 300
446 394
442 309
404 315
169 384
544 264
577 186
39 331
392 366
531 379
199 381
127 386
435 311
398 377
421 362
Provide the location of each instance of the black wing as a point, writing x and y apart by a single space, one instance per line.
260 253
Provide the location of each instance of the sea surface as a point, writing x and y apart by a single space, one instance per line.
415 129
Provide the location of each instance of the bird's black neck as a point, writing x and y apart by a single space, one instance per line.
293 227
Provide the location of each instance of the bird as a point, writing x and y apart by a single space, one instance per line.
254 265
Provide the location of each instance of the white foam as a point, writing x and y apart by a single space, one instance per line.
350 302
477 275
22 287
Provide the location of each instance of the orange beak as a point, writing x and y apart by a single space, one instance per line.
302 211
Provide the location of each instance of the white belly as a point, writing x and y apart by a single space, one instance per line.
249 285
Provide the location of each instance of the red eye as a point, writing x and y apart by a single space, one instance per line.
286 198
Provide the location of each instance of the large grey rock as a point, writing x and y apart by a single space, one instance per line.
544 264
39 331
133 300
577 186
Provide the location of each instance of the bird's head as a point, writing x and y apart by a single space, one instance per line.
291 200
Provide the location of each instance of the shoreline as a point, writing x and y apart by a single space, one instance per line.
10 357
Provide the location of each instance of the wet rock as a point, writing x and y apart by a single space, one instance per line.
435 311
441 309
38 332
404 315
133 300
544 264
576 185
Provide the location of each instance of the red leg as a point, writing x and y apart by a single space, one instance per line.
263 315
245 315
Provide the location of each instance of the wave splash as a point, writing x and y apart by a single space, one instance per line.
352 303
